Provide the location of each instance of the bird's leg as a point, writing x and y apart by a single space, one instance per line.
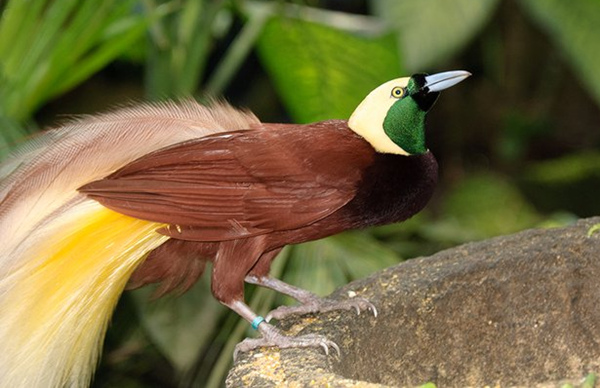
271 336
309 302
233 261
301 295
259 275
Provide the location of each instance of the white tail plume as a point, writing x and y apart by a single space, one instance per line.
64 259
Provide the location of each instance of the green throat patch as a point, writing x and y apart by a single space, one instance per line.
405 125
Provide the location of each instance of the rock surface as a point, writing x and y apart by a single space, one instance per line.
519 310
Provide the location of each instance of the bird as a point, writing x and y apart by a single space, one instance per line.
150 193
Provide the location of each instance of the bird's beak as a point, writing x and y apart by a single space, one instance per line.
441 81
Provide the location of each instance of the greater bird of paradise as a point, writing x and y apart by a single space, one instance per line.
150 193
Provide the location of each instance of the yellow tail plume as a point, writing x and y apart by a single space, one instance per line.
64 259
55 309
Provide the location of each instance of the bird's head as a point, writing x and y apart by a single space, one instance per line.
392 117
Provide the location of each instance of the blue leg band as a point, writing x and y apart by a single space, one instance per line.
257 321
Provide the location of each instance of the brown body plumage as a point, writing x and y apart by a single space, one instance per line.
242 196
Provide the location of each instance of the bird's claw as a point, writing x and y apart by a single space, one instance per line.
362 304
318 305
274 338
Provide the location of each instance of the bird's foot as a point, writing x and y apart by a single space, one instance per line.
322 305
271 337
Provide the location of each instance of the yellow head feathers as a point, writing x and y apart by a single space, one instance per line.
367 119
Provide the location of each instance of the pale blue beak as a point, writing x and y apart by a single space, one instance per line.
441 81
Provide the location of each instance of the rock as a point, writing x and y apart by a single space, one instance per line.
518 310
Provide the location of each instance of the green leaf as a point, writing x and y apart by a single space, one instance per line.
359 254
236 54
568 183
99 58
431 31
322 266
313 266
566 170
590 381
323 72
593 229
179 325
575 27
179 47
11 132
483 206
47 47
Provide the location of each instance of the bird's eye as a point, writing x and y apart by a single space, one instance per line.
398 92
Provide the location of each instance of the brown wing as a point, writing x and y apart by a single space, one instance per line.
239 184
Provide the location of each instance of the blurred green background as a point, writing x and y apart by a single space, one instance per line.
518 143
